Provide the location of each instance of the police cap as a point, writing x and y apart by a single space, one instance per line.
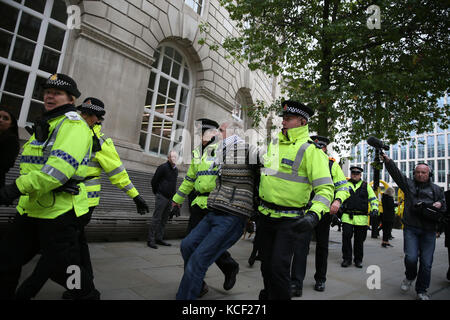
63 82
207 124
291 107
356 169
320 140
93 106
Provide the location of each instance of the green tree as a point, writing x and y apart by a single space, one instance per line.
361 81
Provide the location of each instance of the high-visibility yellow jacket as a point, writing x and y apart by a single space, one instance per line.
361 219
293 167
106 159
201 176
45 166
341 185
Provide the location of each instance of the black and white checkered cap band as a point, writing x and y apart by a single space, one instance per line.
297 111
57 82
92 106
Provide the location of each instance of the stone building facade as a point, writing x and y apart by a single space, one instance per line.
141 57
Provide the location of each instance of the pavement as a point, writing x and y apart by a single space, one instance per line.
132 271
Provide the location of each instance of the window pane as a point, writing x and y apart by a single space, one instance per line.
170 106
16 81
37 5
59 11
165 145
176 70
430 147
38 92
49 60
148 99
29 26
145 120
151 81
173 90
167 130
186 76
36 110
166 65
5 43
184 95
441 146
160 104
421 148
12 103
2 70
54 37
142 139
23 51
163 84
157 126
154 143
8 17
169 52
156 56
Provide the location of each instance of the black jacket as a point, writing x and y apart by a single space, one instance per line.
415 192
164 180
388 208
9 146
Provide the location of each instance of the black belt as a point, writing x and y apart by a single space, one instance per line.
277 207
197 194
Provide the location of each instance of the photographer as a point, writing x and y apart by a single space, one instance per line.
423 203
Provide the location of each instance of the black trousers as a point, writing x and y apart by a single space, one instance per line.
57 239
360 233
298 269
159 219
387 230
225 262
276 247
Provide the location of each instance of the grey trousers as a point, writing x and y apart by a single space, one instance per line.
160 217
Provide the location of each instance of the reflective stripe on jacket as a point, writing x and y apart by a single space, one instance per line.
107 159
293 167
45 166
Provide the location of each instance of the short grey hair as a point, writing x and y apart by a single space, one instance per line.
234 127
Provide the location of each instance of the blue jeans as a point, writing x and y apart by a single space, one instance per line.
214 234
419 245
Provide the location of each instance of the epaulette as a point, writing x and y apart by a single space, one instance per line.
72 115
315 143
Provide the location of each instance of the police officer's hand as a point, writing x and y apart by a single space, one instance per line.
374 213
307 223
9 193
141 205
175 204
334 208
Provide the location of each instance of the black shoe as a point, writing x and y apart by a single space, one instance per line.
68 295
358 264
163 243
384 245
448 275
345 263
152 245
263 295
319 286
204 290
296 291
230 278
93 295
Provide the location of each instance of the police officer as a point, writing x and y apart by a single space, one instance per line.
293 167
201 178
104 158
322 230
355 217
53 162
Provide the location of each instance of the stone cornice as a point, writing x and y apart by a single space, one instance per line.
214 97
92 33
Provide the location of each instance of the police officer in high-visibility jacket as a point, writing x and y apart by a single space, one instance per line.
201 177
321 231
52 164
104 157
293 167
355 217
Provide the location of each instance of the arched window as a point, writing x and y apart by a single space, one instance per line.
167 103
32 42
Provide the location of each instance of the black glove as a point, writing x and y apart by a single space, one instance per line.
9 193
307 223
373 213
141 205
335 220
175 211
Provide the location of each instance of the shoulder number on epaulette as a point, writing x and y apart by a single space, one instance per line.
72 115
